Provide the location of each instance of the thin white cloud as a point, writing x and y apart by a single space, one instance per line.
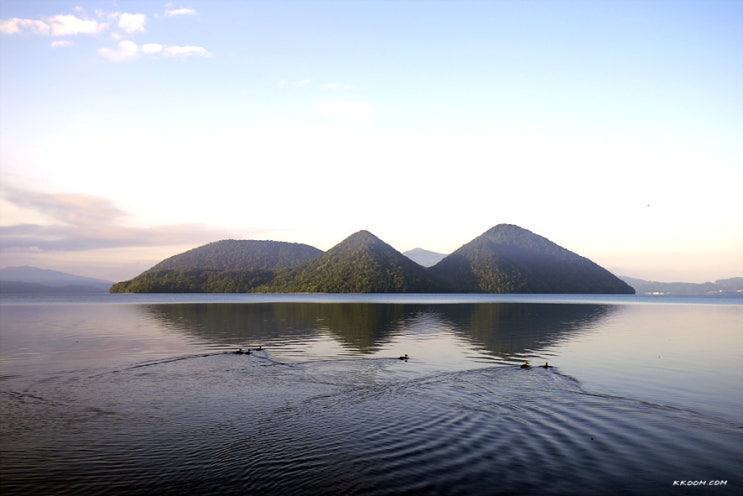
132 23
70 25
151 48
185 51
16 25
121 26
86 222
346 110
128 50
125 50
180 12
57 25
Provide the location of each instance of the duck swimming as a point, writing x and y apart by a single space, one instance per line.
546 366
525 365
404 357
239 351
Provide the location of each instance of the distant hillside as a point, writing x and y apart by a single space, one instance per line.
505 259
509 259
423 257
732 286
28 279
362 263
246 254
227 266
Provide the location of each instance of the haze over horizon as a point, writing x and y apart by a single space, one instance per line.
130 132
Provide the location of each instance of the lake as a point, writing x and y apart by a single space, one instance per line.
143 394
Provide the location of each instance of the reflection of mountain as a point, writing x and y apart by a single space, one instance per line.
356 325
512 328
361 325
503 329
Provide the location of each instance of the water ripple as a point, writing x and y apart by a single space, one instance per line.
229 424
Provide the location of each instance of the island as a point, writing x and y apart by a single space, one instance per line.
504 259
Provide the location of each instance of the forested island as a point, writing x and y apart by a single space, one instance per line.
504 259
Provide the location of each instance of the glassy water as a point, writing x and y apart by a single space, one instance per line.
124 394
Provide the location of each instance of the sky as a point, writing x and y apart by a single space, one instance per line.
132 131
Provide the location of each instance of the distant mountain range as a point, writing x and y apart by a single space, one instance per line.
732 286
504 259
27 279
426 258
361 263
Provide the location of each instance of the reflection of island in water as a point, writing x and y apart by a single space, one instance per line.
503 329
506 329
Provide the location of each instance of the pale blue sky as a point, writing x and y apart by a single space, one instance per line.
130 131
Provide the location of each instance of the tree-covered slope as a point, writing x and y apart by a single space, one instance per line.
195 281
227 266
362 263
509 259
244 254
505 259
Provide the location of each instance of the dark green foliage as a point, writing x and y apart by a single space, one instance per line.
509 259
195 281
231 254
360 264
228 266
505 259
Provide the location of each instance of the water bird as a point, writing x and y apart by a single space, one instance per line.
248 352
239 351
525 365
546 365
259 348
404 357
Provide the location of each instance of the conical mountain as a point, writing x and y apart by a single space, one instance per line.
510 259
362 263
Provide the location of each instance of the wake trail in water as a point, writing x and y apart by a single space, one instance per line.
228 423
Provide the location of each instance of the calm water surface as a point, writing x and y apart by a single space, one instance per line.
142 394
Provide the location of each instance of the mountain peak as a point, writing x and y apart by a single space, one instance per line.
504 259
510 234
362 236
507 227
510 259
361 263
361 240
